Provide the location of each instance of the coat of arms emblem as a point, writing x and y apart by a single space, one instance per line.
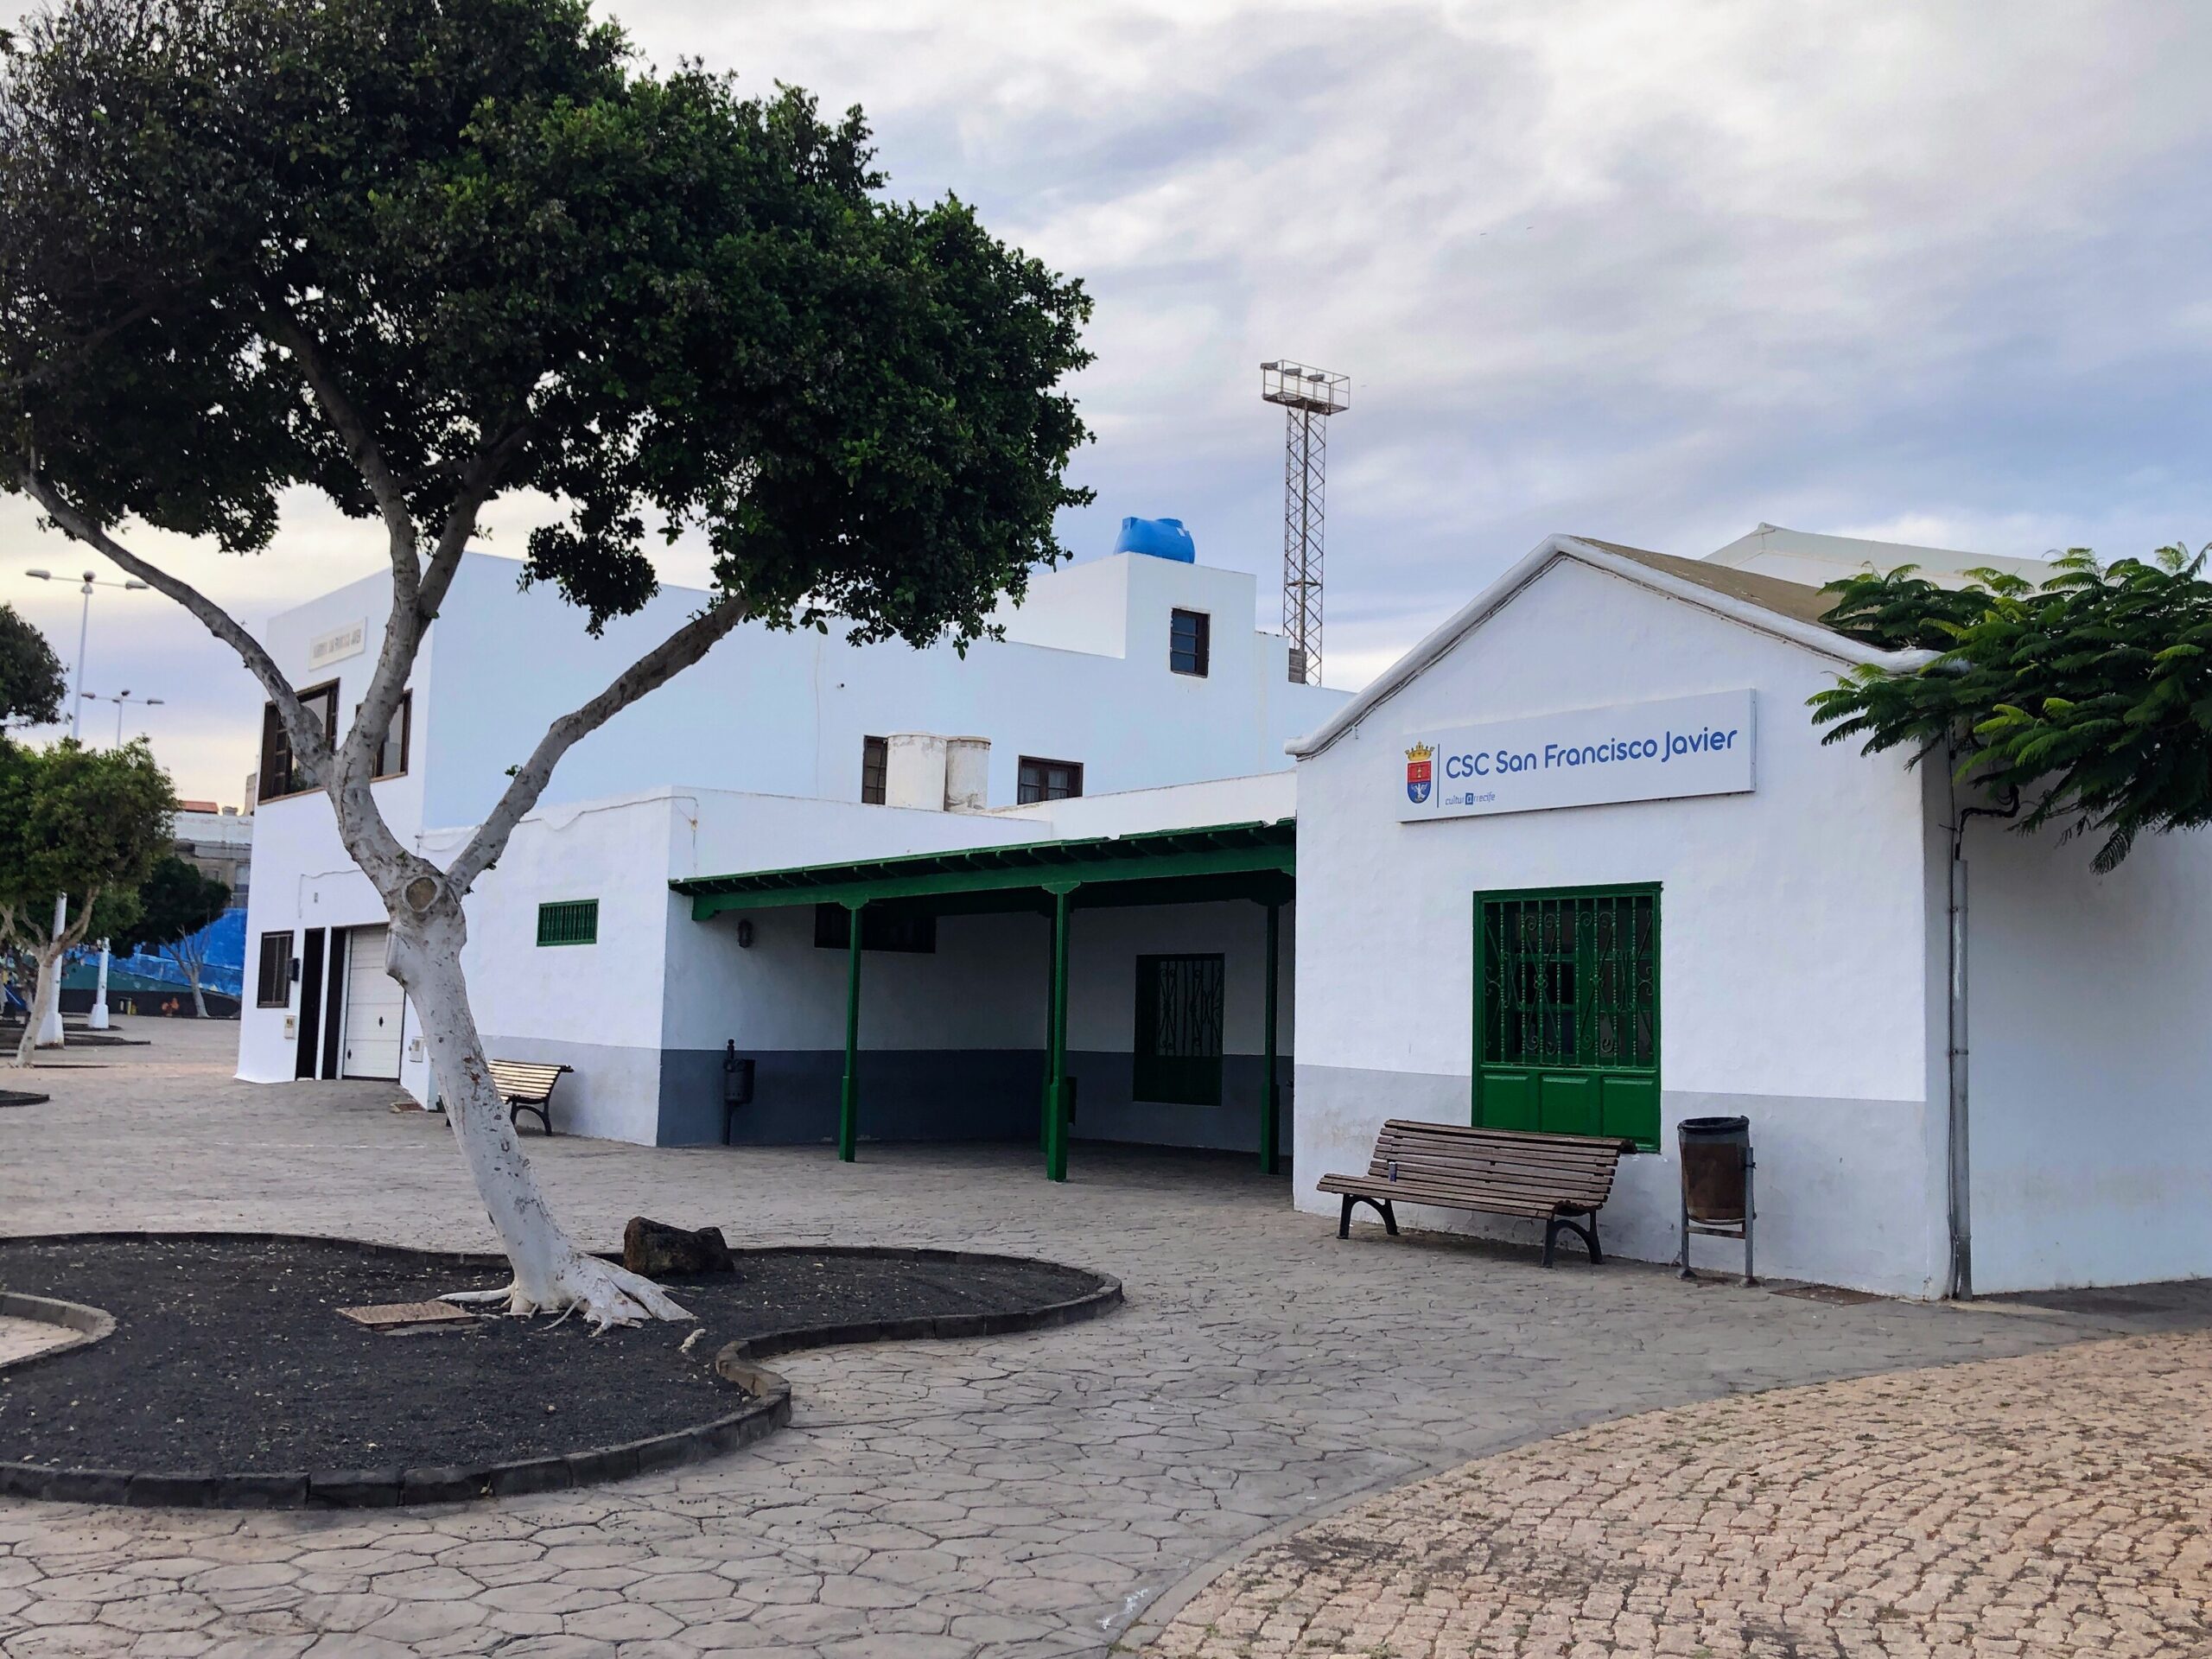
1418 775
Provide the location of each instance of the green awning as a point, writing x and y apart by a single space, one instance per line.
1231 861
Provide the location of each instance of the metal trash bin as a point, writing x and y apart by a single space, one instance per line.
1718 1196
737 1084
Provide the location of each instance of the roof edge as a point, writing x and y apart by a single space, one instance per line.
1825 642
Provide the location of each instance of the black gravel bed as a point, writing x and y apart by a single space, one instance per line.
229 1357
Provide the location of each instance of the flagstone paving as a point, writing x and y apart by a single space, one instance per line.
1024 1495
2049 1504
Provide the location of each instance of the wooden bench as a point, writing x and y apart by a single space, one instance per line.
526 1086
1548 1178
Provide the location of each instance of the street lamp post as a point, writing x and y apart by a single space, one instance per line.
49 1030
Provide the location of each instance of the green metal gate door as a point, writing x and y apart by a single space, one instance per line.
1566 1012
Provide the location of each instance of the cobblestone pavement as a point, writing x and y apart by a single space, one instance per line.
2052 1504
1021 1495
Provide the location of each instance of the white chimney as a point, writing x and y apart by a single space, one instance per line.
913 771
967 774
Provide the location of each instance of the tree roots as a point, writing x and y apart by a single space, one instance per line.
605 1294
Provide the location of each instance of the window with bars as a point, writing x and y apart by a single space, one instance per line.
1177 1060
875 764
1189 642
568 921
1047 780
272 985
1567 1021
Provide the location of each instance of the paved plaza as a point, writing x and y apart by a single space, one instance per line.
2048 1504
1053 1493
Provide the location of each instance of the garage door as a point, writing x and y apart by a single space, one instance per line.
374 1000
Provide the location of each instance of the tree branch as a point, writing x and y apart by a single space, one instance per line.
361 446
678 651
311 744
478 483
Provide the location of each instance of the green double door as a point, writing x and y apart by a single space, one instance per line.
1566 1014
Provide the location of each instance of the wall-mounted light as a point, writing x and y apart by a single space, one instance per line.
745 932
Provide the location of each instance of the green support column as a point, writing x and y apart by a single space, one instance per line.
1056 1077
1268 1104
849 1101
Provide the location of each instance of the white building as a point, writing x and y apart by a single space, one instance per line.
1621 935
1124 674
1581 861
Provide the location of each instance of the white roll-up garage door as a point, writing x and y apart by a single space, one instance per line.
374 1000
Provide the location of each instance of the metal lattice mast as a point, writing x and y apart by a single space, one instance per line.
1309 397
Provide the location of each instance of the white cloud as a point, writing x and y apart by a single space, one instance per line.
1654 271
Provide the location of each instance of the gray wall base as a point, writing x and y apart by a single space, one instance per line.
953 1095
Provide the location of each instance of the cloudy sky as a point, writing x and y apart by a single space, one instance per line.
1654 271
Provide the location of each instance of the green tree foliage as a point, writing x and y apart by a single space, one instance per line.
31 675
520 262
87 823
176 902
2087 699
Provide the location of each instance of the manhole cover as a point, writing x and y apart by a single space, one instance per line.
1830 1296
383 1316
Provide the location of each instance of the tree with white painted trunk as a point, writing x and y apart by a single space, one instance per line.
418 255
87 824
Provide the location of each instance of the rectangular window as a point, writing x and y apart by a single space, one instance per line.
568 921
909 930
272 984
1177 1058
875 760
1567 1015
391 753
1189 642
278 777
1048 781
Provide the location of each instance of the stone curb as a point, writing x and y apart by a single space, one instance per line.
85 1324
768 1408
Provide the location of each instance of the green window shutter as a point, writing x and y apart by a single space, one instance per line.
568 921
1567 1012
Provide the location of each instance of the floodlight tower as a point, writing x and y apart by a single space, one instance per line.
1309 395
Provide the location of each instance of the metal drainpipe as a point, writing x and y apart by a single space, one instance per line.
1960 1284
1960 1280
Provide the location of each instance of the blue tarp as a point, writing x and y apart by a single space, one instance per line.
226 970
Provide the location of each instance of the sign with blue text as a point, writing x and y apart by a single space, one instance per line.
1582 757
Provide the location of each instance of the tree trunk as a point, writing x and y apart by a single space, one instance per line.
424 954
44 1001
199 1002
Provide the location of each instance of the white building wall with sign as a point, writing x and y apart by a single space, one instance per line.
1795 951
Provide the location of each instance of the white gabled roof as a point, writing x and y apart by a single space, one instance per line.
1787 610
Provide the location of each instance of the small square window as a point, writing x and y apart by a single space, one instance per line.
876 762
1047 780
568 921
1189 642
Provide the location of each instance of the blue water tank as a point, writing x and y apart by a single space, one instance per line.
1162 539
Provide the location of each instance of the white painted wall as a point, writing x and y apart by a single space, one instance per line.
1793 927
784 714
302 875
2091 1133
1082 677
